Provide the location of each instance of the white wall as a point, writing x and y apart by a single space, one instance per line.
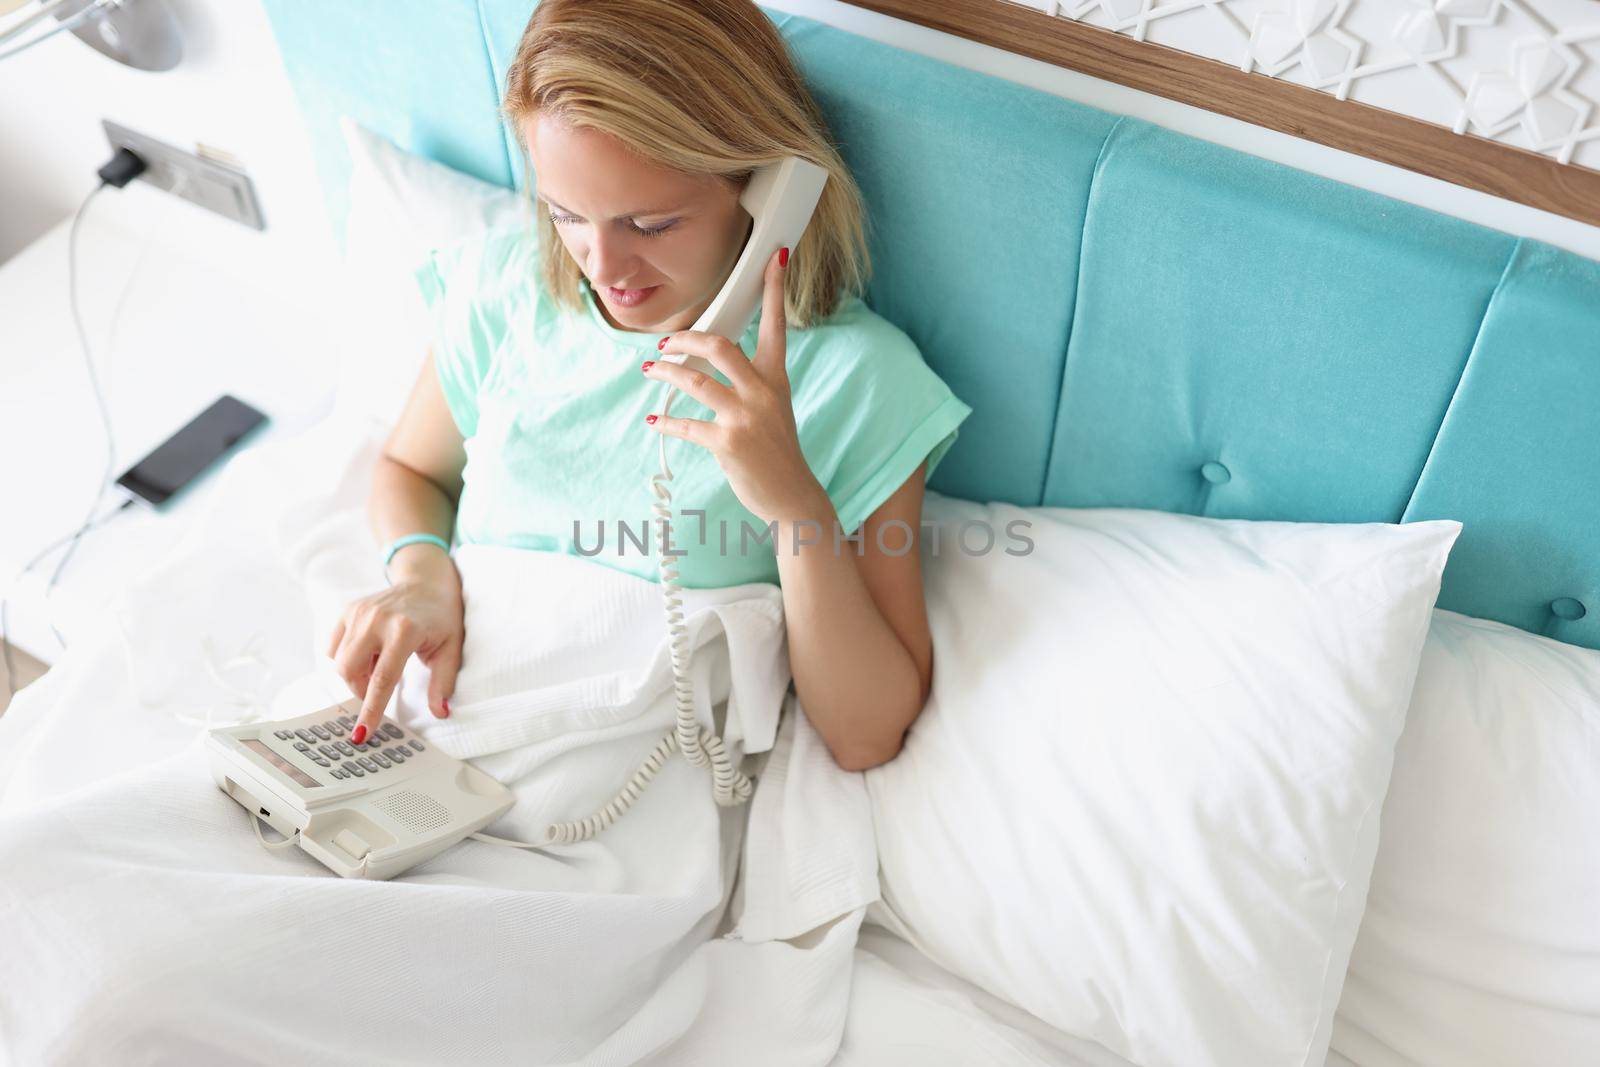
231 92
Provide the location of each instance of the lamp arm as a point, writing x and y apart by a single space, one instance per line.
7 48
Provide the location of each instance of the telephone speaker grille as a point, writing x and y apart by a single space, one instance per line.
414 811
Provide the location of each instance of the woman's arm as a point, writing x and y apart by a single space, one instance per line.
859 644
416 483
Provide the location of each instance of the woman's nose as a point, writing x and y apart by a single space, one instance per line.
610 259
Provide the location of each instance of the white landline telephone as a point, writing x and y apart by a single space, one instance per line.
376 809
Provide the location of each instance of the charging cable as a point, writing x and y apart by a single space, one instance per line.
121 169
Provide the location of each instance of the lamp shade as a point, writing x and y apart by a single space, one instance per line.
139 33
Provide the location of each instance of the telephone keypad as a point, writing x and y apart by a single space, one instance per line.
327 744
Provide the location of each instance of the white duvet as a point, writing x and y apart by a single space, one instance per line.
143 923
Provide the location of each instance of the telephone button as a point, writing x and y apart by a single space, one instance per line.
416 744
381 760
391 731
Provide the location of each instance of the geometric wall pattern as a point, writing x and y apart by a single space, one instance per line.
1522 72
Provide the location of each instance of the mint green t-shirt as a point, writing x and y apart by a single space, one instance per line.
551 404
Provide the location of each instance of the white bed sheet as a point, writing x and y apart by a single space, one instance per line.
136 686
231 624
907 1011
125 696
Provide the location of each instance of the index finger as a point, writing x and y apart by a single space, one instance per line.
717 352
771 358
385 676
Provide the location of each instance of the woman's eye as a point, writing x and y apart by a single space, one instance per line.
653 231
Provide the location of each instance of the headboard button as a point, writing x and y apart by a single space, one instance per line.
1567 608
1215 473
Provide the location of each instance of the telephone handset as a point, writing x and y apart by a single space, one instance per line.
780 198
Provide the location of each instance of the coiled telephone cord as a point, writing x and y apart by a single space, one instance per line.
700 746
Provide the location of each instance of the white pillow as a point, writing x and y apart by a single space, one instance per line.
1481 940
1142 801
402 206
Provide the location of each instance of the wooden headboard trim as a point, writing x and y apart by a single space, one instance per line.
1464 159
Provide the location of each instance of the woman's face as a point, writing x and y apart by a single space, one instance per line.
630 225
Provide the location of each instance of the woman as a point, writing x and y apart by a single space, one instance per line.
534 420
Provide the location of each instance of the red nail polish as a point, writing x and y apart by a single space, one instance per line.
648 364
651 419
360 735
661 343
783 257
446 707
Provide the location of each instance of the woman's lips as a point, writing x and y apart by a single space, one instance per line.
630 297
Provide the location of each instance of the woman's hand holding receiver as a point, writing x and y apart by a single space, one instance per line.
753 437
420 612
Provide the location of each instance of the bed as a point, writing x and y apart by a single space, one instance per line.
1147 321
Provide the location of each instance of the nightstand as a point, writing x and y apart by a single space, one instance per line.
190 326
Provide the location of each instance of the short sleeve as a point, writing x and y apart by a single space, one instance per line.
884 411
464 287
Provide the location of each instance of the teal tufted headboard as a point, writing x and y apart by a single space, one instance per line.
1138 318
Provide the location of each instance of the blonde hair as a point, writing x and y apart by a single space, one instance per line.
704 87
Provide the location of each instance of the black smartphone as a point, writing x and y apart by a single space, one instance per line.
184 456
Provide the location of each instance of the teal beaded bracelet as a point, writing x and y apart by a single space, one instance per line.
410 539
